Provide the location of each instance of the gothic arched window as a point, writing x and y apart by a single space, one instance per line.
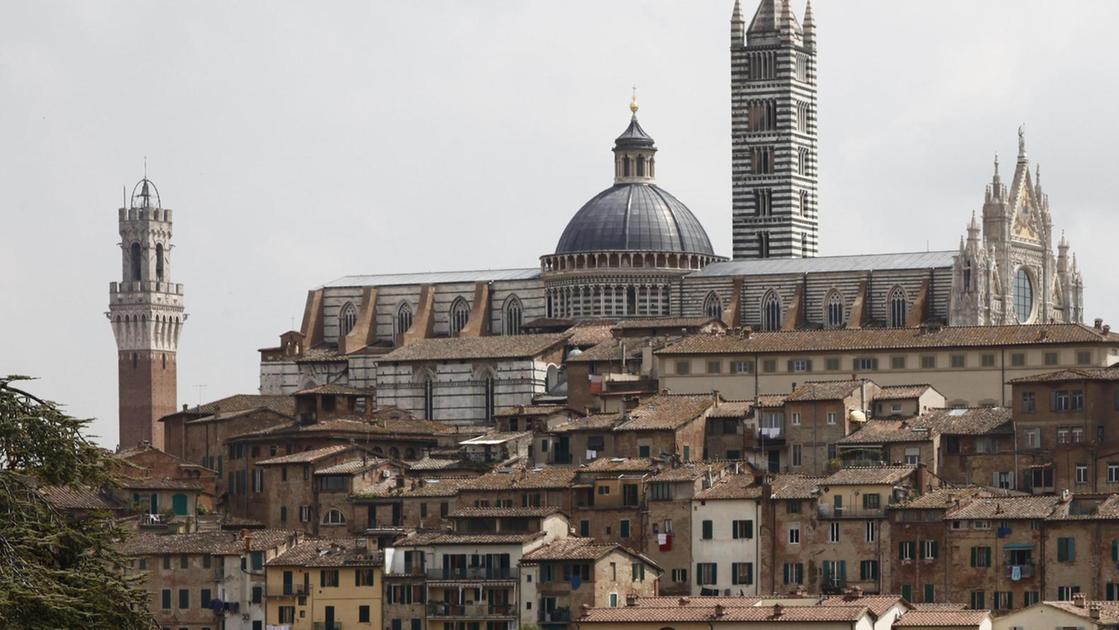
712 305
134 261
967 275
834 315
347 318
159 262
429 398
459 315
898 307
1023 296
403 321
490 396
511 316
771 312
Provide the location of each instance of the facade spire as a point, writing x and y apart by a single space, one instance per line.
809 27
1022 142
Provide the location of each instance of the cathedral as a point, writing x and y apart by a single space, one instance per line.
635 251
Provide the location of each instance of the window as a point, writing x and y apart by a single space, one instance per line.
706 573
742 529
905 550
769 365
864 364
613 600
1113 473
165 599
834 315
987 360
363 577
458 316
328 578
897 308
771 312
794 534
1029 402
403 321
1111 591
488 393
792 507
1065 593
714 367
928 362
256 559
258 480
707 528
1066 549
977 600
800 365
796 455
680 576
204 600
1031 598
333 517
868 570
912 456
660 491
184 598
683 367
1023 295
930 594
872 501
980 556
793 572
835 572
929 549
833 532
763 207
363 614
637 572
981 524
1083 357
257 596
1081 473
1003 600
184 561
742 573
511 316
907 592
871 530
897 363
712 305
135 258
1051 358
741 367
623 528
304 513
347 318
957 360
796 418
1018 359
429 396
1032 438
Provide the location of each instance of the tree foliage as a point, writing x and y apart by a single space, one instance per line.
56 570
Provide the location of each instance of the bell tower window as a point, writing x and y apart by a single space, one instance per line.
134 260
159 262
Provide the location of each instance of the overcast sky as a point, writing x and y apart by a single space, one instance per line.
298 142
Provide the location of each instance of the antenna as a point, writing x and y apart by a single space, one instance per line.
145 167
200 389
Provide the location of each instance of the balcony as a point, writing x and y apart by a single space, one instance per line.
1025 571
829 511
474 573
406 572
558 615
322 625
443 610
287 590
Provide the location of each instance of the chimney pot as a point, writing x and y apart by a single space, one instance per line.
1099 323
631 599
719 610
778 610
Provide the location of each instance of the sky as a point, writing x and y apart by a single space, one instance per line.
299 142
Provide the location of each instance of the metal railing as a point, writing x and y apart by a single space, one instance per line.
322 625
831 511
558 615
1024 570
474 573
443 610
407 572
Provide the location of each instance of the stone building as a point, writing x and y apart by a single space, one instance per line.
725 544
325 584
669 505
146 311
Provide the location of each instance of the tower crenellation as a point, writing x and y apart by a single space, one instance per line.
146 313
773 133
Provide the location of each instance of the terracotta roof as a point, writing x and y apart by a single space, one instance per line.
1109 611
939 606
859 475
700 601
570 549
504 512
245 402
497 347
885 431
942 618
430 463
944 498
901 392
666 322
215 543
437 488
452 538
732 409
619 464
842 339
683 614
76 498
611 349
307 457
1036 507
877 604
732 487
324 553
769 401
531 410
666 411
158 483
496 437
963 421
387 426
334 388
685 472
793 486
240 413
596 422
1072 374
524 478
823 390
1087 509
351 467
585 334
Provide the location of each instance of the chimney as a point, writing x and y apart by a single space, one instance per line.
631 599
248 538
184 406
1106 329
683 601
778 610
719 611
1094 611
1078 599
1098 323
585 610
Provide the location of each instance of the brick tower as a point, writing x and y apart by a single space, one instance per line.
773 132
146 311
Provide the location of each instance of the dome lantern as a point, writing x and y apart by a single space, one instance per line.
633 153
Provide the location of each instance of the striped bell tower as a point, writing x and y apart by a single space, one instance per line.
773 132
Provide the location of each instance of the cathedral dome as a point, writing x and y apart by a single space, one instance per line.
632 216
634 213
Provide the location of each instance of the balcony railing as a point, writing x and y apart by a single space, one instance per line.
322 625
1025 571
443 610
558 615
406 572
831 511
474 573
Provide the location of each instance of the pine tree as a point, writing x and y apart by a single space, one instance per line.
56 570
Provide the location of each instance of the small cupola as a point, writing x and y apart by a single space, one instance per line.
633 153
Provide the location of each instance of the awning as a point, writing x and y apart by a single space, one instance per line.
1018 547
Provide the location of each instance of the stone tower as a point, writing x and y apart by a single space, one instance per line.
773 132
146 311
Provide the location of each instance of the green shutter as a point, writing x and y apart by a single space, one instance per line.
1071 549
1115 550
707 530
749 529
843 570
974 555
